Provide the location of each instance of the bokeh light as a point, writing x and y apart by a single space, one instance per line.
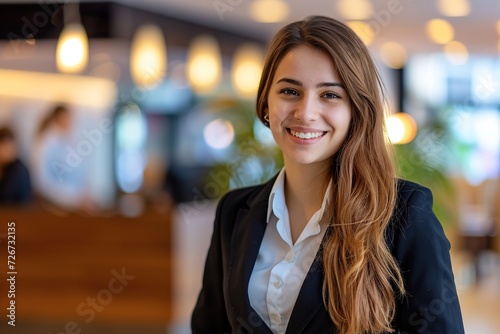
401 128
440 31
219 133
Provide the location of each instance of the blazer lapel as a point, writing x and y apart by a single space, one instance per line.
247 236
310 299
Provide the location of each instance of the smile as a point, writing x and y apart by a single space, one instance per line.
307 135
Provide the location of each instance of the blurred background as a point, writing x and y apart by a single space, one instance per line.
121 124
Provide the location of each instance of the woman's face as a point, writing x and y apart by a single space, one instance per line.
309 110
64 121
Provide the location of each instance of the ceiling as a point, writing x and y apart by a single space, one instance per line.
477 30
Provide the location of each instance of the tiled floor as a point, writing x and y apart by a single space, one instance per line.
193 228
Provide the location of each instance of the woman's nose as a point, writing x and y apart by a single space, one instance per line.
307 109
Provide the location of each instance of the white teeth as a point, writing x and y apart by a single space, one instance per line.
306 135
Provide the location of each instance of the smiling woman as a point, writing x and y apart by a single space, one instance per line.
309 111
334 242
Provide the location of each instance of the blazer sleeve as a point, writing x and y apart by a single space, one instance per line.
209 315
431 303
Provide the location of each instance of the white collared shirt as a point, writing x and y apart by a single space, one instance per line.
281 266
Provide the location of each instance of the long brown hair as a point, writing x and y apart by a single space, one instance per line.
361 278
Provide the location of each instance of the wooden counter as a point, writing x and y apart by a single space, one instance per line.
85 269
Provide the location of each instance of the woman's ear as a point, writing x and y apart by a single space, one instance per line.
265 116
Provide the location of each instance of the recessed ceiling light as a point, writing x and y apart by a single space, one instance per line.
355 9
440 31
393 54
454 7
269 11
363 30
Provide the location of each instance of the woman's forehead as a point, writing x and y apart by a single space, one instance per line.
308 63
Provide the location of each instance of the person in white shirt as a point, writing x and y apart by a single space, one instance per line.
58 185
335 243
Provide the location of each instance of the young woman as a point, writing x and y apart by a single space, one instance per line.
335 243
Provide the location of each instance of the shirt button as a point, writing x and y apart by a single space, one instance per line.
278 284
290 257
276 318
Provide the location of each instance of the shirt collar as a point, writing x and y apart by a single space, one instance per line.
277 194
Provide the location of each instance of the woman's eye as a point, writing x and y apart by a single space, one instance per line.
288 91
331 95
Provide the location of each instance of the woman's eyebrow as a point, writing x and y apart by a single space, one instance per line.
321 84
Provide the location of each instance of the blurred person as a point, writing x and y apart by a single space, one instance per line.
59 176
334 243
15 182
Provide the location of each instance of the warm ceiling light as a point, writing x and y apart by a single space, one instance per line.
204 64
401 128
269 11
355 9
440 31
456 52
72 49
247 66
363 30
393 54
454 7
148 57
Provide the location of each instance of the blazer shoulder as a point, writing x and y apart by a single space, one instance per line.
413 203
248 196
242 195
405 190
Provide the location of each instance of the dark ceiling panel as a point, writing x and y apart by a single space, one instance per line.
46 21
104 20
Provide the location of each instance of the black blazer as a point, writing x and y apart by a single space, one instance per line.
415 238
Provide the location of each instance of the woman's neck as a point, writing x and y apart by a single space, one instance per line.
305 187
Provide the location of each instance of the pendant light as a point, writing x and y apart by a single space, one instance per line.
148 57
204 64
73 45
247 67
